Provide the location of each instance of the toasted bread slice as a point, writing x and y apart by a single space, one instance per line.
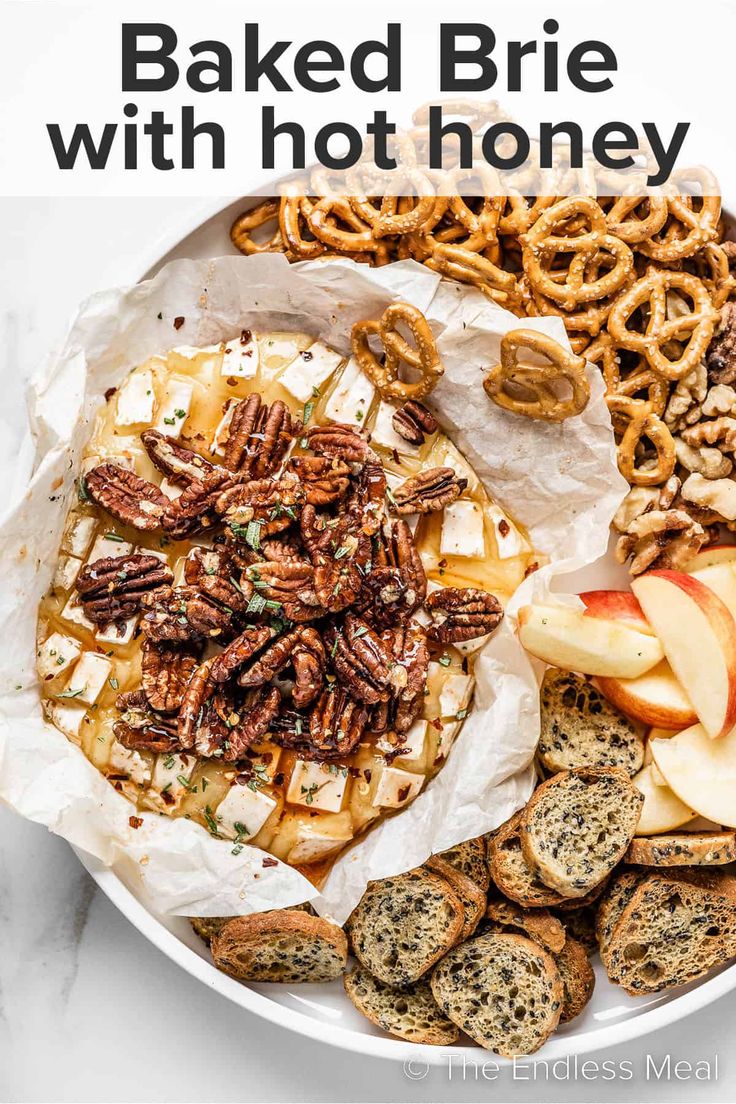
579 728
503 990
683 849
577 976
470 859
580 925
404 924
577 826
538 924
208 926
614 900
285 945
410 1013
512 875
472 897
678 925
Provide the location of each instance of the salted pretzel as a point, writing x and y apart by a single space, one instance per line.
624 389
626 221
533 390
521 212
692 223
542 246
423 356
242 229
646 426
693 330
471 268
294 213
354 236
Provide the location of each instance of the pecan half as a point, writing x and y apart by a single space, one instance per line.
412 421
140 729
310 663
182 614
271 662
429 491
165 673
340 552
127 497
367 505
195 508
257 711
336 724
259 437
111 588
224 727
408 644
721 355
275 503
213 572
362 661
239 651
180 465
462 613
198 692
325 481
339 442
291 584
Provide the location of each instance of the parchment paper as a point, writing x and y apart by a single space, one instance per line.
560 481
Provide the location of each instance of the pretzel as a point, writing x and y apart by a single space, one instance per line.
622 390
471 268
245 224
357 238
688 229
711 266
571 287
534 385
524 213
623 221
294 210
650 292
646 426
423 356
388 219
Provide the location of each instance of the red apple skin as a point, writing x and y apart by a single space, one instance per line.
719 616
652 713
616 605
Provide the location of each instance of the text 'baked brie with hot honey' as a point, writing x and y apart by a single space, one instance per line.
269 595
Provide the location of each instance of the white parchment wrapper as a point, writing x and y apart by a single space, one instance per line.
560 481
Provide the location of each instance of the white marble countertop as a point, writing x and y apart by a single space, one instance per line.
89 1010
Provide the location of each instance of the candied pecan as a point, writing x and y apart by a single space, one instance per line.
199 690
429 491
126 496
224 727
408 644
239 651
275 503
339 442
367 503
281 549
213 572
325 480
290 583
259 437
140 729
194 509
271 662
256 714
310 662
179 465
340 553
397 584
111 588
412 421
362 661
462 613
721 355
181 613
336 724
165 673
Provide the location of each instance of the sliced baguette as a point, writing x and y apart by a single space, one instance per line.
577 826
683 849
580 925
410 1013
503 990
470 859
538 924
677 926
287 946
579 728
511 874
208 926
577 976
472 897
614 900
403 925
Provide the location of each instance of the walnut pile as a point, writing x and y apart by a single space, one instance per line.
294 617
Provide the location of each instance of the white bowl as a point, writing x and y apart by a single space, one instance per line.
323 1012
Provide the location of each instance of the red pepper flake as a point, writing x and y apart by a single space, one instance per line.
403 793
436 723
167 798
135 822
270 862
367 774
279 779
531 569
109 393
179 321
231 381
396 457
442 563
245 337
306 355
503 527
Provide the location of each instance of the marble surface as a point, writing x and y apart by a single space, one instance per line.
89 1010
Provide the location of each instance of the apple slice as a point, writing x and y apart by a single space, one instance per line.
717 553
698 635
655 698
662 810
616 605
721 578
569 639
701 772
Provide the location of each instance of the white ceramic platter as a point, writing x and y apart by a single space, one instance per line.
323 1012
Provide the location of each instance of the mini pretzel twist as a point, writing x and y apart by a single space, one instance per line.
646 426
693 329
422 356
243 227
530 389
293 215
471 268
689 228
